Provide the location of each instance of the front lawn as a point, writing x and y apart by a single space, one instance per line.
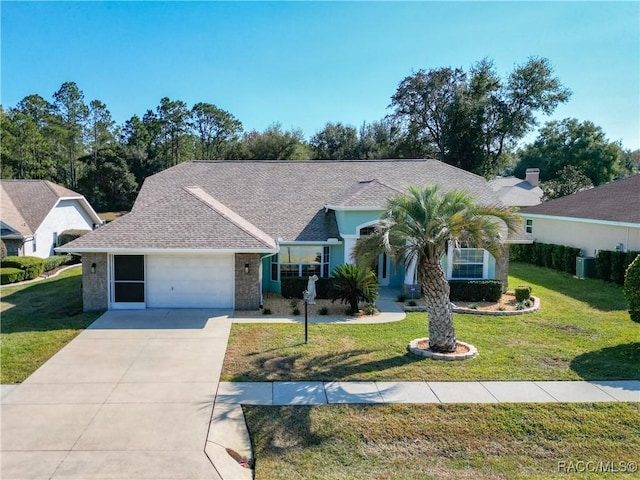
507 441
38 319
583 331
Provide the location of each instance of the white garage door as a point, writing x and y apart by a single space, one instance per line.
198 281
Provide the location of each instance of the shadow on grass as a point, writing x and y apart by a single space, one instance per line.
326 367
598 294
286 428
43 306
621 362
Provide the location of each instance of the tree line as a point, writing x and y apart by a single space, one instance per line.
470 119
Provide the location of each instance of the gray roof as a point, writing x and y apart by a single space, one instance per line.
26 203
618 201
515 192
284 200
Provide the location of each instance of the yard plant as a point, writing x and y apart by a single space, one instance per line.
418 227
353 284
632 289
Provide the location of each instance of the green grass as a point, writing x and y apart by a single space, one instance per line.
582 331
507 441
38 319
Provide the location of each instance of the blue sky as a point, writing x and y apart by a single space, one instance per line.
303 64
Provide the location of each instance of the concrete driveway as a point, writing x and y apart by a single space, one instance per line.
129 398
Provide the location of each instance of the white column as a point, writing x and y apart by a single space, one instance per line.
349 245
410 273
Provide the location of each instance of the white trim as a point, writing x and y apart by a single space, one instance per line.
580 220
338 208
151 251
285 243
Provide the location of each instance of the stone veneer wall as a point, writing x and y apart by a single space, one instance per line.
247 292
94 285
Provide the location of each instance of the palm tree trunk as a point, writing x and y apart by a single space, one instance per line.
442 336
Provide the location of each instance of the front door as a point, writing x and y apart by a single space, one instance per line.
382 270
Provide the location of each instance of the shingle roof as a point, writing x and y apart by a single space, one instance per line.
365 193
181 220
26 203
618 201
283 200
515 192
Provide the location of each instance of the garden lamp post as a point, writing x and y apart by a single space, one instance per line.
305 295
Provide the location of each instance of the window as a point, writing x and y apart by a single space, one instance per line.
300 261
128 278
528 228
468 263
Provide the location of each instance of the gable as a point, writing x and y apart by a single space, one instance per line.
26 203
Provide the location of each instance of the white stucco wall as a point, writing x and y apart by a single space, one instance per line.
67 215
589 237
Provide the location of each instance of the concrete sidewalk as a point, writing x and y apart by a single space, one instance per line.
321 393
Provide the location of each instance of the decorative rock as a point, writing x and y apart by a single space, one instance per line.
425 352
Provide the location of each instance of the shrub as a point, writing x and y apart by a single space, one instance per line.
370 309
266 311
523 292
401 298
475 290
632 289
55 261
352 284
618 267
603 265
32 266
69 235
11 275
557 257
323 310
611 266
412 303
295 311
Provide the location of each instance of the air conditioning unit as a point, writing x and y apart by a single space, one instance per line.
585 267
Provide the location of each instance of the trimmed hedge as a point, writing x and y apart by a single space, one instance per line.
549 255
523 292
611 266
69 235
475 290
32 266
55 261
11 275
632 289
292 287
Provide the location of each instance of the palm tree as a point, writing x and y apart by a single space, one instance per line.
418 226
351 284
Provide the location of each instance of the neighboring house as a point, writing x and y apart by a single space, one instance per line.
606 217
515 192
34 212
218 234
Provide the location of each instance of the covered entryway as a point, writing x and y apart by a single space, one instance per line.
190 281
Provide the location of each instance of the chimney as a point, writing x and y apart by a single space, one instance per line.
533 176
